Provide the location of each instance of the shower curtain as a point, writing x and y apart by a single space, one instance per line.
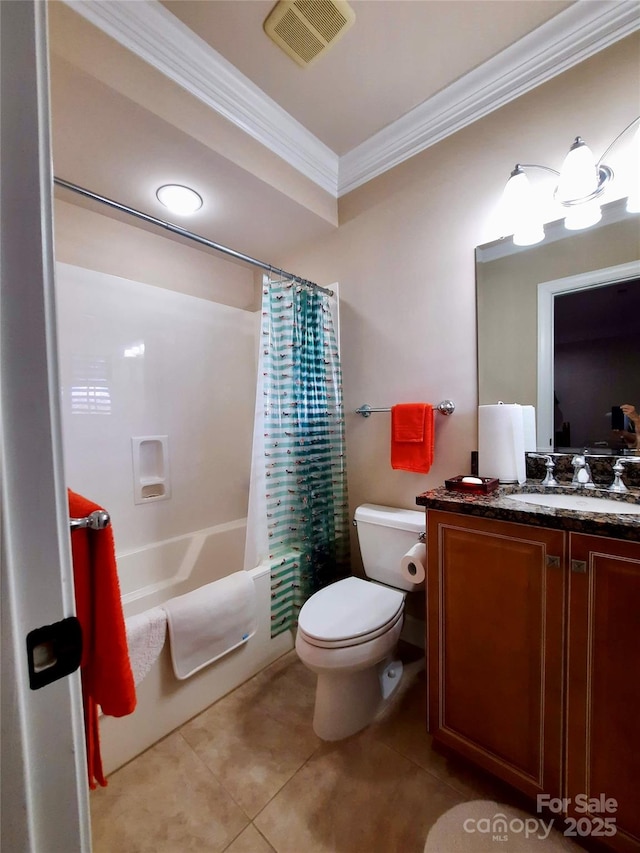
298 509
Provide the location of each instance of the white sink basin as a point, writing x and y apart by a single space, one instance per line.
580 503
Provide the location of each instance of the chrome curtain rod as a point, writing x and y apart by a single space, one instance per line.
182 232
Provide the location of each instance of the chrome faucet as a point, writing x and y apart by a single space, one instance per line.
549 464
582 472
618 468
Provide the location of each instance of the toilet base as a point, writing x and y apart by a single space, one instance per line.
349 702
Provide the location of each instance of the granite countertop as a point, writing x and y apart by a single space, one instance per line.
501 505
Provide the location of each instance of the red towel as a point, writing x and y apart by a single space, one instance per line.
412 436
107 681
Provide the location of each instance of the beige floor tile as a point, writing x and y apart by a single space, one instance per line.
249 841
403 727
164 802
285 690
257 737
355 796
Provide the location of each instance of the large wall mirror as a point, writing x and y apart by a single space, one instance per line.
559 328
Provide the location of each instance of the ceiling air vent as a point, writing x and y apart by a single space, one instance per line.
305 29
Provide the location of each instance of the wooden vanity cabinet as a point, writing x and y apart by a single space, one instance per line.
495 598
603 684
533 663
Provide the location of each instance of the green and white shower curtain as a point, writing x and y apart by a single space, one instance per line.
300 434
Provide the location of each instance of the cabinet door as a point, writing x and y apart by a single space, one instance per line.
603 709
495 598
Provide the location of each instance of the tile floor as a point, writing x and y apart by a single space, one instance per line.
248 775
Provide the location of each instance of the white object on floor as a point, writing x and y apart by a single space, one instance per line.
211 621
146 634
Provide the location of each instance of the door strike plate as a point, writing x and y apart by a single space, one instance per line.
53 651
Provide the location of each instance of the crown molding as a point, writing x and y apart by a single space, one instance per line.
151 32
155 35
577 33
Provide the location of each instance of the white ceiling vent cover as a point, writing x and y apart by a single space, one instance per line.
305 29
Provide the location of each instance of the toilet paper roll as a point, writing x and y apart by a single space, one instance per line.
413 562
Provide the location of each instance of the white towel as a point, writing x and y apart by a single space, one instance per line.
146 633
210 621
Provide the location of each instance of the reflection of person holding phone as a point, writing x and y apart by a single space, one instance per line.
630 432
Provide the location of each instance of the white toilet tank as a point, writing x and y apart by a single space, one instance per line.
385 534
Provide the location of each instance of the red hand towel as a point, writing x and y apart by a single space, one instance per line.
107 681
412 437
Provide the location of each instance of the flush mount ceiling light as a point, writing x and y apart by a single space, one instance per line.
581 183
179 199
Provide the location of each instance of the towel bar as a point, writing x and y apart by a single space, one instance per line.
97 520
446 407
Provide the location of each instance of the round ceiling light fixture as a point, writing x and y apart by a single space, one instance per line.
179 199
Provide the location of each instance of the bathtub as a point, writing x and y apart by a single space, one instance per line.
150 576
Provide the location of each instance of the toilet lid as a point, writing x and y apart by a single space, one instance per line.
348 609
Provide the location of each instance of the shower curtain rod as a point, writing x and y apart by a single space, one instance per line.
182 232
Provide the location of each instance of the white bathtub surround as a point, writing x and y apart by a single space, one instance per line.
162 570
146 633
145 362
211 621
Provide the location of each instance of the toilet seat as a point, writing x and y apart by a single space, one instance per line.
349 612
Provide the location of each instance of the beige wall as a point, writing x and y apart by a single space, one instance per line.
97 242
404 257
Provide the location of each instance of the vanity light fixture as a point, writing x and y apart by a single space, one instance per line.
581 183
179 199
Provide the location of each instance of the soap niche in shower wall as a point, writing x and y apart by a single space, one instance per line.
150 468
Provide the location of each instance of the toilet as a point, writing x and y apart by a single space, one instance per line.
348 631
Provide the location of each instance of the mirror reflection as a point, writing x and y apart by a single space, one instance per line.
596 366
578 356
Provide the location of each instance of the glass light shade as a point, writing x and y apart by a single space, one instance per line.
521 210
578 176
583 215
179 199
